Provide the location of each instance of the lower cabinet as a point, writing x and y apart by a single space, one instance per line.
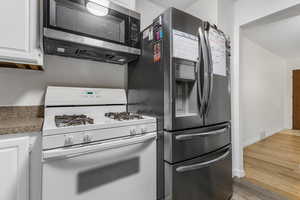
14 168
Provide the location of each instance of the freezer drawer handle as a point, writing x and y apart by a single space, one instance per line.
191 136
202 165
64 153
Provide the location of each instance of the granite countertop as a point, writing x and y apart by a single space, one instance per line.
21 119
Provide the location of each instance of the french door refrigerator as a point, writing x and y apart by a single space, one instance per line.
183 79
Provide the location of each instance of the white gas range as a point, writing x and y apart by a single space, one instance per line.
93 148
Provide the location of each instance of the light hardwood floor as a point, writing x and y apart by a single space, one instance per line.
245 190
274 163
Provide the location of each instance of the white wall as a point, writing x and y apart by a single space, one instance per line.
247 11
149 11
25 87
226 17
205 10
262 93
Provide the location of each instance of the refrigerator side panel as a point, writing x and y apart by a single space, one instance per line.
146 95
167 62
145 82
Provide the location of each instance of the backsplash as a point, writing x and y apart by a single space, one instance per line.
27 88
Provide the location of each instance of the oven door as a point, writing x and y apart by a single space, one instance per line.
101 22
205 178
121 169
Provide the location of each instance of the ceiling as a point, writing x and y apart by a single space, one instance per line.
278 33
174 3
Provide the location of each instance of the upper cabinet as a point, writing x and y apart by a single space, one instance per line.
126 3
19 35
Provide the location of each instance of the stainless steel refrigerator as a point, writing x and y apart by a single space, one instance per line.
183 79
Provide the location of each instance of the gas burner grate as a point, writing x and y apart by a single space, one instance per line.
72 120
120 116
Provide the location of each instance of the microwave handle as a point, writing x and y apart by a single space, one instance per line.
64 153
197 166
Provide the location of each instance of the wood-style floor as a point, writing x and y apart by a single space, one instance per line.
244 190
274 163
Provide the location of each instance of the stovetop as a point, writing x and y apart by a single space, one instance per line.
76 120
87 111
72 120
121 116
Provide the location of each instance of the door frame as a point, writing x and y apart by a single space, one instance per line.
289 101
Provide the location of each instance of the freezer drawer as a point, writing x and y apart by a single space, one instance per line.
188 144
205 178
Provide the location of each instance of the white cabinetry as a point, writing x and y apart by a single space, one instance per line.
126 3
19 38
14 157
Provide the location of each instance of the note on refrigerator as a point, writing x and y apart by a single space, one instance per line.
218 49
185 46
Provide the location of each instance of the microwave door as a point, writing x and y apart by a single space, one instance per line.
88 19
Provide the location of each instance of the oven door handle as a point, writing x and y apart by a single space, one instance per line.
192 136
64 153
203 164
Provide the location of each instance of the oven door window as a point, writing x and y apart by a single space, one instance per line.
90 20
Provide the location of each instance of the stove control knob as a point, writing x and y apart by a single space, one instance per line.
133 131
69 140
87 139
144 130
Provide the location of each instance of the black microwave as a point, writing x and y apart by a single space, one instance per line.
91 29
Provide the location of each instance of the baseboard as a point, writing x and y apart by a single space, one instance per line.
258 138
251 141
239 173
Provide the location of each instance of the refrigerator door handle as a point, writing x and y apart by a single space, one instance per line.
204 75
192 136
199 83
210 67
188 168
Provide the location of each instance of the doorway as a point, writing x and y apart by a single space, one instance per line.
270 102
296 99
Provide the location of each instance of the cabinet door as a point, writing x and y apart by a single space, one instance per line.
14 156
126 3
19 28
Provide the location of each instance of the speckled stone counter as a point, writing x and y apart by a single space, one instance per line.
21 119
